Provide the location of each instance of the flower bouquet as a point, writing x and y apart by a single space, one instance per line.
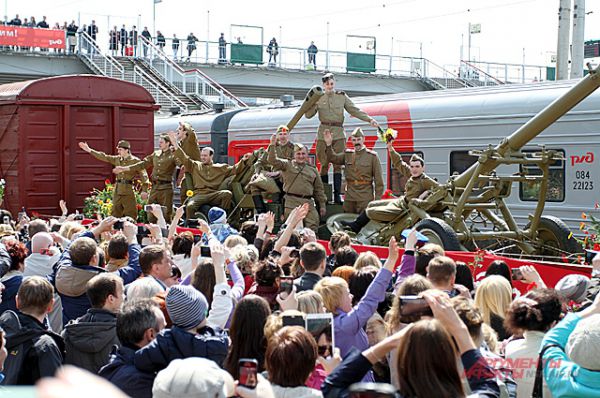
388 135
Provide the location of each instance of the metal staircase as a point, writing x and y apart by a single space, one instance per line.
444 80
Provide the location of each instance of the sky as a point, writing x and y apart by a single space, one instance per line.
512 31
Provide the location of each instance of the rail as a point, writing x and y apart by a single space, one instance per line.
190 82
514 73
92 55
160 95
473 73
440 77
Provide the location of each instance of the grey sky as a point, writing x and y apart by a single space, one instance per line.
506 26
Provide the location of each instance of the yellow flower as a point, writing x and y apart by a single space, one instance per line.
100 202
189 193
584 216
582 226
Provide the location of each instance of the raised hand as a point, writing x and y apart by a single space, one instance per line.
85 147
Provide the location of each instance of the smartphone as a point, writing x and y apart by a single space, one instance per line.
197 238
414 305
321 328
6 219
372 390
148 208
142 231
517 275
78 217
205 251
293 320
295 253
256 217
21 214
118 225
286 283
248 369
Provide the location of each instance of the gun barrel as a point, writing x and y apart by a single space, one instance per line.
311 98
538 123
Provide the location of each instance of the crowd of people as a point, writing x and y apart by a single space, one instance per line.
156 312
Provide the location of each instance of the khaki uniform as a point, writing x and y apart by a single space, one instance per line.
124 203
206 180
163 165
301 184
189 145
260 182
363 170
389 210
331 115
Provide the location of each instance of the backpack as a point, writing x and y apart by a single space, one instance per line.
18 347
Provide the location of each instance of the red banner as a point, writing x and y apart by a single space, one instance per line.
32 37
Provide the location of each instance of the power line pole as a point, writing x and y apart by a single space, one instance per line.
578 39
562 51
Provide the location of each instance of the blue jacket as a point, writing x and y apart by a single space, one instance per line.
11 287
70 280
564 377
121 372
176 343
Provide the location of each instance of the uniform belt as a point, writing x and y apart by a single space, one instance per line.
159 182
335 124
359 182
125 182
299 196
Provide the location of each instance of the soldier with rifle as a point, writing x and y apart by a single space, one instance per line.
364 181
416 189
301 183
330 108
188 142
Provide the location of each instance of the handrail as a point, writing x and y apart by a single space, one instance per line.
170 70
146 80
446 74
471 66
91 49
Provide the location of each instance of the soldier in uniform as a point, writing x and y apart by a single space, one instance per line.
207 178
163 165
363 172
124 203
265 179
301 183
188 142
416 189
331 115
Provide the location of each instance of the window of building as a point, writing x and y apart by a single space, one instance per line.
530 191
397 180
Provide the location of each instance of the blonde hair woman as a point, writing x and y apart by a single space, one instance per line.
367 258
310 302
493 297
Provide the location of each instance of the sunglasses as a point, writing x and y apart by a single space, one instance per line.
323 350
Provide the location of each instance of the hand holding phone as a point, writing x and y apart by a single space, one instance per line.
285 284
414 305
118 226
248 369
517 274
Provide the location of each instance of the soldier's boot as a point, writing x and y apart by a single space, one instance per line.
357 224
325 179
337 188
259 204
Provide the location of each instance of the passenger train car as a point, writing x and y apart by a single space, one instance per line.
442 126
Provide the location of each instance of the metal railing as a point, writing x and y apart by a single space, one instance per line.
512 73
161 96
89 52
477 76
190 82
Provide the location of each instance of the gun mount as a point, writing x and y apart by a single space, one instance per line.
450 214
310 99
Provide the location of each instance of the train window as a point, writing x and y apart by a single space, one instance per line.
529 191
460 161
397 180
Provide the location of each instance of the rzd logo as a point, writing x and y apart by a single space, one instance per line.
57 42
587 158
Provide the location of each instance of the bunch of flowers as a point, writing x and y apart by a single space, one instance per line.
100 203
388 135
2 185
388 194
590 228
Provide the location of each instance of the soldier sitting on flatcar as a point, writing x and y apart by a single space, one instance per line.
301 183
417 188
265 178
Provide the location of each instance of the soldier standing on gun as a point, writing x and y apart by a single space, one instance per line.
330 108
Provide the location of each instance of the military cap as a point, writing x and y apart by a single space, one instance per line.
357 132
416 158
166 138
299 147
327 76
283 128
124 144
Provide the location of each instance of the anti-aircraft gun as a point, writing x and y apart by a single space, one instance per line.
450 214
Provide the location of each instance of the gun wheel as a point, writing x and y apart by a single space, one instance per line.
553 237
439 232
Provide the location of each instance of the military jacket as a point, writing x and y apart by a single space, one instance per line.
281 151
128 176
299 180
363 169
206 178
414 186
190 145
331 110
163 165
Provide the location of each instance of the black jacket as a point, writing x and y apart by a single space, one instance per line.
176 343
89 339
307 281
121 372
46 349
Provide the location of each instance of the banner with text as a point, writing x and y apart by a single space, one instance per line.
32 37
